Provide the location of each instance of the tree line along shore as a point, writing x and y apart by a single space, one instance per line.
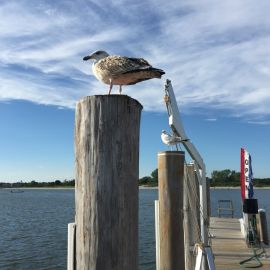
35 184
223 178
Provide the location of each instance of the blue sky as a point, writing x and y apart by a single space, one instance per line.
216 53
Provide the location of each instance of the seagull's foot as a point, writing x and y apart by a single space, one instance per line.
110 89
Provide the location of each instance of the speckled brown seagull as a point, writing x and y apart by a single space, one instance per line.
121 70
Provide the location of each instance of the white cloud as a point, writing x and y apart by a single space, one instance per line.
264 123
216 53
23 18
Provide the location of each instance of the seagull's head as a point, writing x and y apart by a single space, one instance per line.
163 131
98 55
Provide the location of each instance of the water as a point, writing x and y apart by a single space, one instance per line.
34 226
147 255
263 196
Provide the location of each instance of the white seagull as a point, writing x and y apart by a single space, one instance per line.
121 70
170 140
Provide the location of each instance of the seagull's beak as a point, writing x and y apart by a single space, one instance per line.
87 57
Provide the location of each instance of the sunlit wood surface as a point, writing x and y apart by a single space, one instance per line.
229 246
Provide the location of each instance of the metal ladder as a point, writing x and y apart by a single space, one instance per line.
227 206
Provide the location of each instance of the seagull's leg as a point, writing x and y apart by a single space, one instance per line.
120 89
111 85
176 147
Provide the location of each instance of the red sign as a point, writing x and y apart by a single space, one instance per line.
242 174
246 175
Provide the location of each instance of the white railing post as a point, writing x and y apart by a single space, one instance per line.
71 247
203 204
157 233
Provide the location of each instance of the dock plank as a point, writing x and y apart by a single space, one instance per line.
229 246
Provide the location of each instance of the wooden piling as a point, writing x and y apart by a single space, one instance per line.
187 222
106 192
208 196
191 215
170 177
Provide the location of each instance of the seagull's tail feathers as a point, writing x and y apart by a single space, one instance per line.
143 74
155 72
150 71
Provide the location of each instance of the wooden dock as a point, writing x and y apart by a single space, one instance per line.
229 246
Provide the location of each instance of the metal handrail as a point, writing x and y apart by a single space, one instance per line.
230 207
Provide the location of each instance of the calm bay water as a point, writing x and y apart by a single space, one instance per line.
34 226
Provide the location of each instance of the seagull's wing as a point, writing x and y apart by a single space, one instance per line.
116 65
175 140
166 138
170 139
139 63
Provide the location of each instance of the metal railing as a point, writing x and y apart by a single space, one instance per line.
225 208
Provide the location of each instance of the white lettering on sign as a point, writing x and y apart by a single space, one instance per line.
246 172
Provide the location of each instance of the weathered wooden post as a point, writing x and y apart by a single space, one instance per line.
191 215
208 195
107 171
195 204
170 178
187 221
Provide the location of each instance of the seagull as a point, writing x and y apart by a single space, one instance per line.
121 70
171 140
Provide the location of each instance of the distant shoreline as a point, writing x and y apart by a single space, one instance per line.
238 188
140 187
145 187
16 188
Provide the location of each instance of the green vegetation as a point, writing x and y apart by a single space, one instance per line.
230 178
262 182
150 181
56 183
223 178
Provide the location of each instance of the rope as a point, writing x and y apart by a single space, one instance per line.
192 214
192 199
198 245
194 196
256 257
192 186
